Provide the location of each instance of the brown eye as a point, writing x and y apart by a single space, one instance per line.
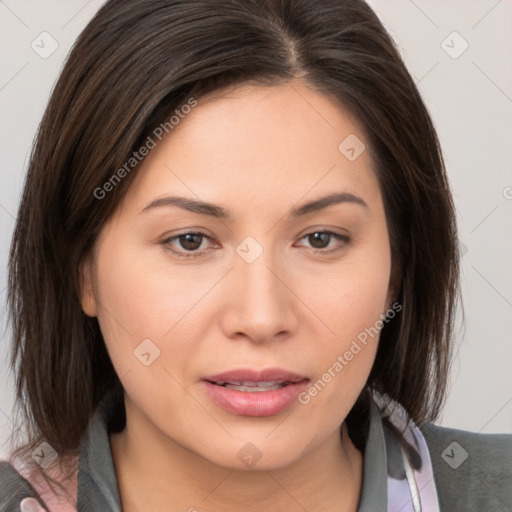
320 241
190 241
186 245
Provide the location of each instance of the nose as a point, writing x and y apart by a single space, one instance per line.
260 305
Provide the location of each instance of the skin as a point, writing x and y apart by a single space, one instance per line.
257 152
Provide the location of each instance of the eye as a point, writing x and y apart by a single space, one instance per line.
320 240
188 244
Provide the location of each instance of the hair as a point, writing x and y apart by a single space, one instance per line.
133 65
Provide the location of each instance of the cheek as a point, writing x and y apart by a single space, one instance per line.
143 293
350 302
354 319
351 297
140 300
344 359
147 311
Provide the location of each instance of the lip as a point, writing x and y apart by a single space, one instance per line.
258 403
252 375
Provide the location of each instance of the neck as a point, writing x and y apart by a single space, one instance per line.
156 473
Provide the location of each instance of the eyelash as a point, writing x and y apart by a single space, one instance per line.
194 254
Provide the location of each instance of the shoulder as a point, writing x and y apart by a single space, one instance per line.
19 481
472 471
13 488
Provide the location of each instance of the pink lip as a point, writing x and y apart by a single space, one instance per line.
251 375
258 403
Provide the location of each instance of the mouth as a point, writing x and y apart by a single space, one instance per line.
255 378
248 392
253 387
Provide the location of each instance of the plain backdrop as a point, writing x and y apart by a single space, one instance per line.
459 53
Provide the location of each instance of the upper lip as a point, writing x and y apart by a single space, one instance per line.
252 375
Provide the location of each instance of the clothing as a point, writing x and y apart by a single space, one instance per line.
432 462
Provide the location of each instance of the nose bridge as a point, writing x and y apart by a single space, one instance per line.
262 307
259 277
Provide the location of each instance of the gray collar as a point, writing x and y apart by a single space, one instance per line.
97 482
374 495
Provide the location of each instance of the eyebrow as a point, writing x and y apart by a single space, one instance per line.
204 208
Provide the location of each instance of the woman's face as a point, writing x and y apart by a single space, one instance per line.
258 293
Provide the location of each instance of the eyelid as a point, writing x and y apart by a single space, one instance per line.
183 253
343 239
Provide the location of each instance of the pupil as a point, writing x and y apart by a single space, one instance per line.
320 238
190 241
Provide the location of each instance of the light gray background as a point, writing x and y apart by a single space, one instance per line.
470 100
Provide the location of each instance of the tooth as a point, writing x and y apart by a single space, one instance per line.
267 384
253 388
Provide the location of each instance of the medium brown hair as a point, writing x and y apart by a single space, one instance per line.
135 63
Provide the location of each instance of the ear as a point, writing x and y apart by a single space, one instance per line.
87 295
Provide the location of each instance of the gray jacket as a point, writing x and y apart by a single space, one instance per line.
482 483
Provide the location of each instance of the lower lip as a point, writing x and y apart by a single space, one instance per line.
255 403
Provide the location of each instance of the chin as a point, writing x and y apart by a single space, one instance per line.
255 455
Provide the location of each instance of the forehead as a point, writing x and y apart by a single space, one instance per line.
260 144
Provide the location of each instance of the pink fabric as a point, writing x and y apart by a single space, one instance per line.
54 498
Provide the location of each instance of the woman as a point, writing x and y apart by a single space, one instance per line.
234 273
